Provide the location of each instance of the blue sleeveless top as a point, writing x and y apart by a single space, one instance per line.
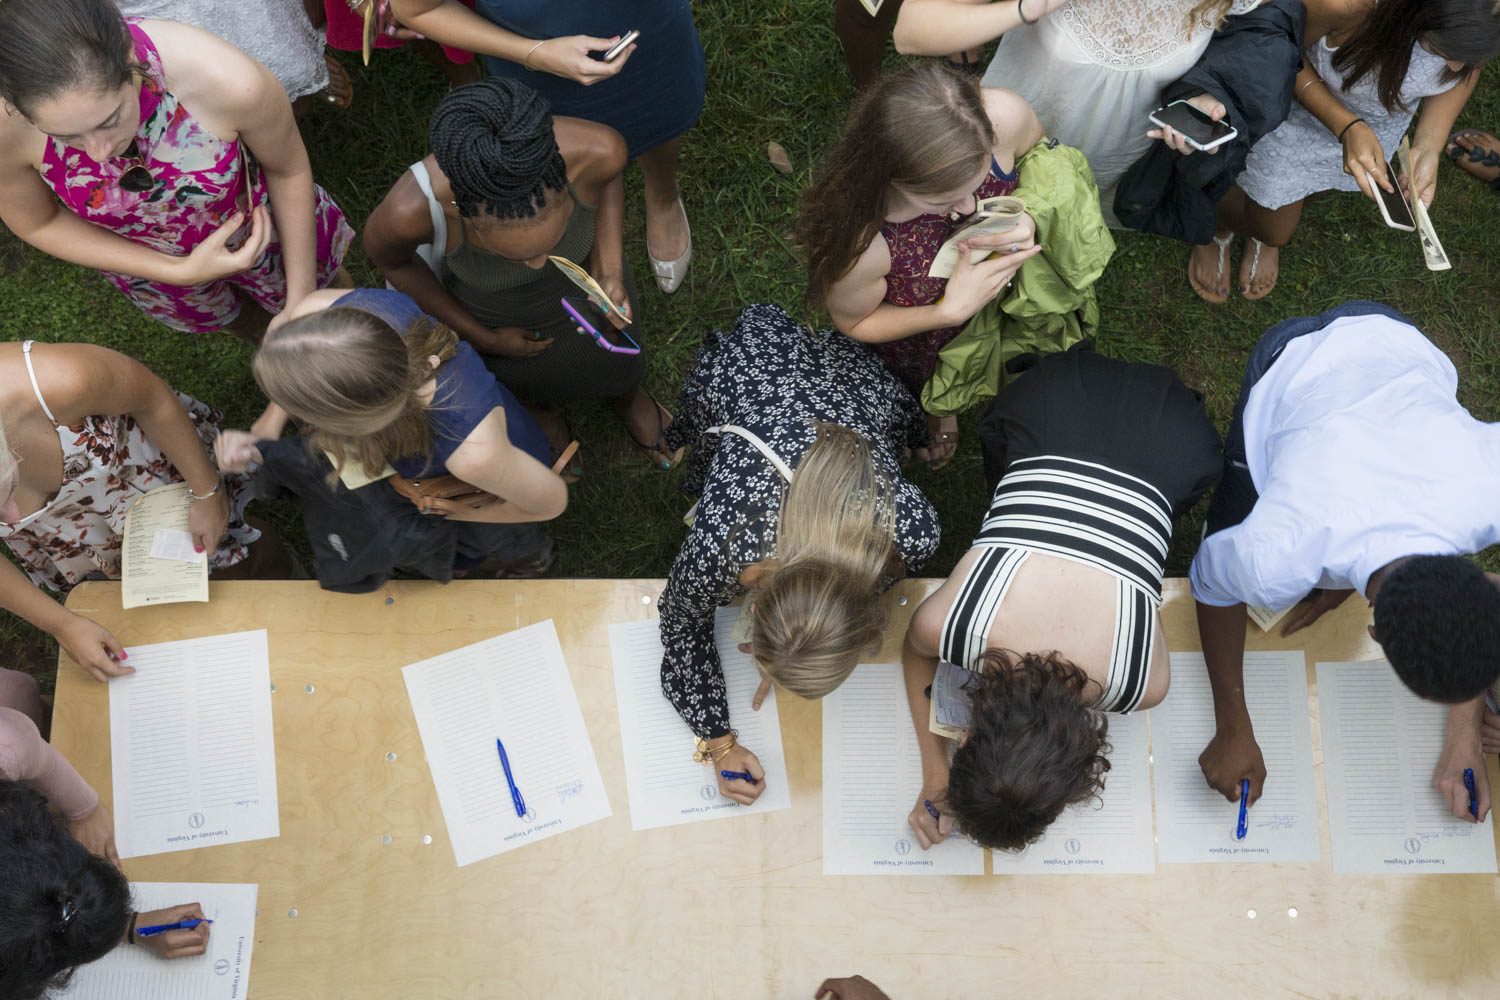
466 391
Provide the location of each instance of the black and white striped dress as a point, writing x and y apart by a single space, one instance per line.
1090 514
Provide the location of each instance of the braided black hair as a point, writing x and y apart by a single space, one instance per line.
494 141
60 906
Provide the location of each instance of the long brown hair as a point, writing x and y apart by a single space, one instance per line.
818 609
1465 31
923 129
357 382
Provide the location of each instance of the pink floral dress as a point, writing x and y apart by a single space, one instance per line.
198 181
108 462
913 244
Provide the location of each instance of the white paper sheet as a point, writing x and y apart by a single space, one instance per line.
872 774
1109 836
191 745
515 688
1380 745
178 545
1196 823
130 972
666 785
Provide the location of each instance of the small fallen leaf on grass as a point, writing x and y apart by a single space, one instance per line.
777 154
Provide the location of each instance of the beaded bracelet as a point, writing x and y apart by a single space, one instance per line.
218 485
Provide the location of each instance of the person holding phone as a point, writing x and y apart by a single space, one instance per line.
1092 69
1367 68
650 91
468 232
1350 465
796 465
917 154
125 156
63 905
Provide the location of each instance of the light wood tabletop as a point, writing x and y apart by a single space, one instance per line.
731 908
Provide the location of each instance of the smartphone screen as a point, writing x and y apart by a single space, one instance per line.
1192 123
1395 202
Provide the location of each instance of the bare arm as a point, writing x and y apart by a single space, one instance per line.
858 307
938 27
449 22
400 224
599 179
487 459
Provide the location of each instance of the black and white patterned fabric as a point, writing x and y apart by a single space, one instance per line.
773 377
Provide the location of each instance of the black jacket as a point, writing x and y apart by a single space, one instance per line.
361 537
1251 66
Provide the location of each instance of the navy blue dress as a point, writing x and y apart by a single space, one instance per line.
466 391
657 96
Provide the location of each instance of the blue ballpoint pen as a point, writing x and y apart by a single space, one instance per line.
931 809
181 925
1243 826
738 776
515 793
1473 795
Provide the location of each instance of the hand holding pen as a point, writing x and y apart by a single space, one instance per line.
928 821
176 932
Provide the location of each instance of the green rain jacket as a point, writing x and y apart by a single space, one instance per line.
1051 304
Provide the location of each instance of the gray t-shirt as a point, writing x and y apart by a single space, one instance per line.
276 33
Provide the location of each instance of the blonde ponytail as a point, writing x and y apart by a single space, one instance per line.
818 608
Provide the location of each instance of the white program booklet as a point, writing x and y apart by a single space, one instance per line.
1196 823
513 688
1110 835
130 972
666 785
192 748
872 775
1380 745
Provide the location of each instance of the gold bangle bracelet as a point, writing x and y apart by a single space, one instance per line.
527 61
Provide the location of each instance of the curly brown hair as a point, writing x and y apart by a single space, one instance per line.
923 129
1034 748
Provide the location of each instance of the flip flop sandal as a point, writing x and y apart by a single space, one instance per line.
1223 244
658 447
973 68
1254 264
942 437
340 89
1476 156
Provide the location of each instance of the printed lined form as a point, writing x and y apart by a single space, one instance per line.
515 688
147 578
130 972
1110 835
872 775
1196 823
1380 745
666 785
191 745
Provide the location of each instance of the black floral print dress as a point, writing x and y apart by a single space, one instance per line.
773 377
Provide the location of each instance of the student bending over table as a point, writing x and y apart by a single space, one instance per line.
467 232
84 431
379 383
1091 459
1350 465
797 466
62 906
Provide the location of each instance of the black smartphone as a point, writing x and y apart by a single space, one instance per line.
243 202
1201 131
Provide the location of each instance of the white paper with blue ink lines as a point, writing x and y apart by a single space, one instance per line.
872 775
666 785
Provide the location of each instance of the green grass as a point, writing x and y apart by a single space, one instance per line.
775 72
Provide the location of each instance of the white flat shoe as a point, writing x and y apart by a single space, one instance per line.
669 274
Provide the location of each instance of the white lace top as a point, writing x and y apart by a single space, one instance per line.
1093 71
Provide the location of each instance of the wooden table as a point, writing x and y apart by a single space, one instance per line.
730 908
